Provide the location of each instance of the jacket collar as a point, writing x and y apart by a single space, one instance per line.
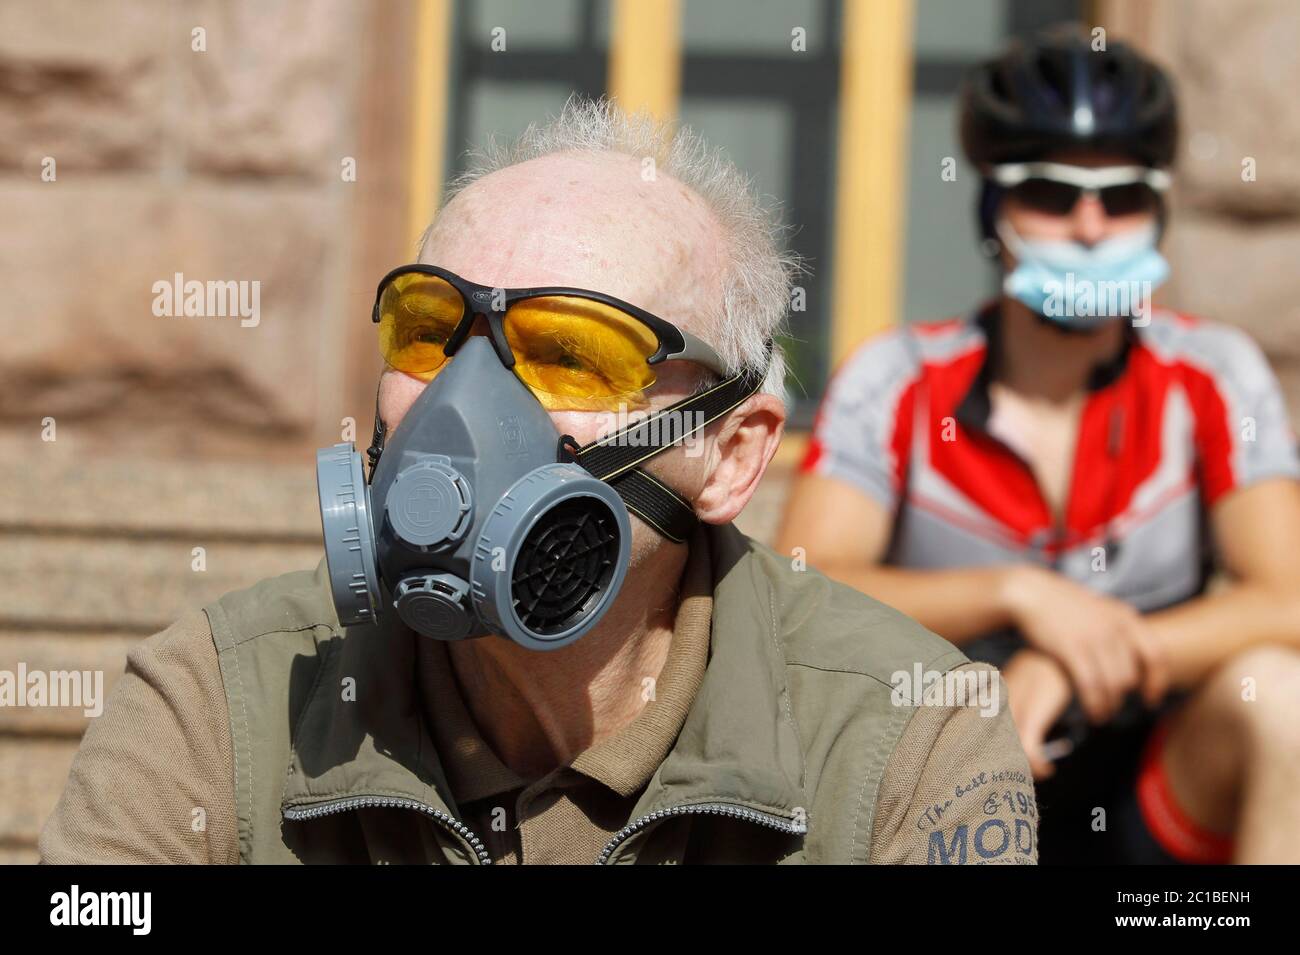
738 744
361 731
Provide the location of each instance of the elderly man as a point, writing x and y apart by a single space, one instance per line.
653 688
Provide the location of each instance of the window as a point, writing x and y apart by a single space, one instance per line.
774 109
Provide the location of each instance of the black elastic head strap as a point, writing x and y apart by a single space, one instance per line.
670 514
615 453
615 458
379 435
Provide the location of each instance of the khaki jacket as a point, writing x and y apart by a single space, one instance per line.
805 742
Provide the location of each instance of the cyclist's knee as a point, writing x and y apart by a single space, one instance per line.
1257 694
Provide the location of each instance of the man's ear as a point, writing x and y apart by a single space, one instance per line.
742 450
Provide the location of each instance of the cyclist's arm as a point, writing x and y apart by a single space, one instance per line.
1255 530
844 532
1250 476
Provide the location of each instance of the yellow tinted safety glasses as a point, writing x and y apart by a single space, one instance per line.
575 349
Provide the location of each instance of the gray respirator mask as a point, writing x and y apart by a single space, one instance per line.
481 518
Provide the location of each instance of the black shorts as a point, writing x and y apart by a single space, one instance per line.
1089 810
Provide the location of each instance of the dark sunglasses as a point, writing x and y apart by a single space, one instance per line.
575 349
1054 188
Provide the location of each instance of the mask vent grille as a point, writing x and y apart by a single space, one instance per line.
564 566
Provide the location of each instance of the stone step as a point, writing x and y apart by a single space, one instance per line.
18 854
32 774
84 583
57 493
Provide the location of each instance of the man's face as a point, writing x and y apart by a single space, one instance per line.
586 221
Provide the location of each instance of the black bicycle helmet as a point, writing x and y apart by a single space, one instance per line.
1055 92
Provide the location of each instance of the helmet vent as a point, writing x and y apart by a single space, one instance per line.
565 565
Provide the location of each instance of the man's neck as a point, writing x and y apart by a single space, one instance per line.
538 710
1038 360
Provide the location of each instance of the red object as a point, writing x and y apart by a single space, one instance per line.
1176 832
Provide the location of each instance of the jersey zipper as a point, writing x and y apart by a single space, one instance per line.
448 822
1060 527
1114 446
780 823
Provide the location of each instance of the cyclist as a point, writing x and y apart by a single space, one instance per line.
1051 481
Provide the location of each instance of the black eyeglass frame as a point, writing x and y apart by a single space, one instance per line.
672 342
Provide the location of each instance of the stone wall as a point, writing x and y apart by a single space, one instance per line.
1234 242
144 138
129 154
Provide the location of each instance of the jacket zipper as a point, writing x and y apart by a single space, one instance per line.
458 828
455 826
767 819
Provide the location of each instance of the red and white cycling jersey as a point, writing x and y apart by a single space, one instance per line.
1189 411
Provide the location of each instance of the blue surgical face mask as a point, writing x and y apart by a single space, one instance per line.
1078 285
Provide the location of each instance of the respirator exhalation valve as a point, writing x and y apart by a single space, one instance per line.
434 604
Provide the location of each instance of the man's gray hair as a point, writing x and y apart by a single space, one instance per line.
757 284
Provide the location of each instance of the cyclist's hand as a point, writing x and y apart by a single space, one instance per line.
1038 690
1101 642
